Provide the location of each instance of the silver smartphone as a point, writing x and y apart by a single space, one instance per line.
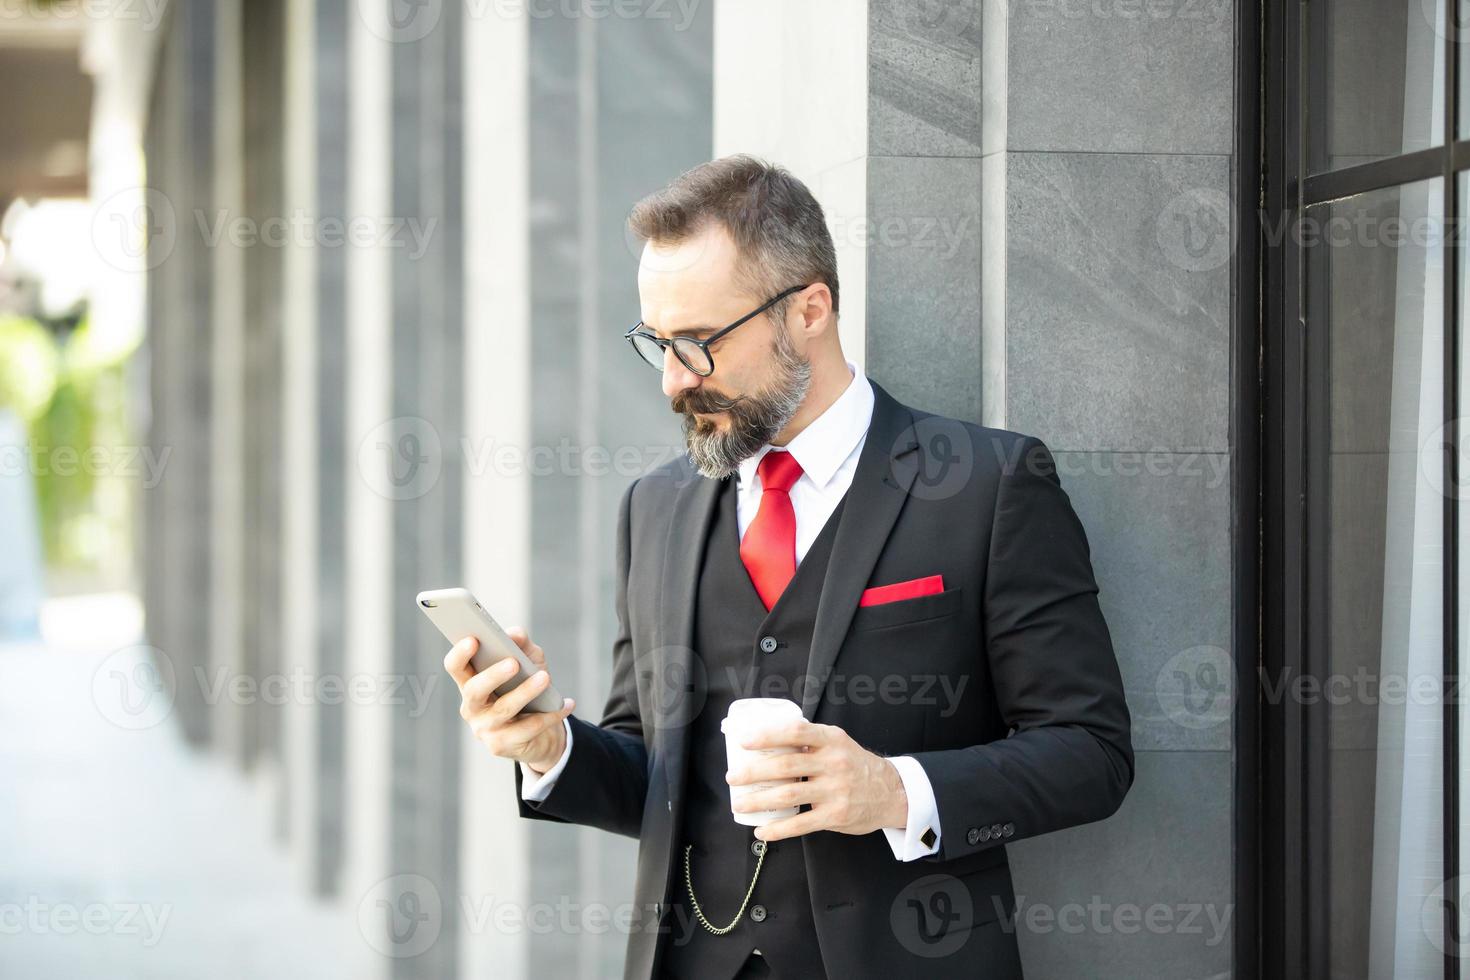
457 615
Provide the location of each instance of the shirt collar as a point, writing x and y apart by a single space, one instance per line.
823 446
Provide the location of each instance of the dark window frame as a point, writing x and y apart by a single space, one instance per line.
1281 919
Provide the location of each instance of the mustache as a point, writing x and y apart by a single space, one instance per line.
703 400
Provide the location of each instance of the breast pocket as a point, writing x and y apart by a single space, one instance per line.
904 612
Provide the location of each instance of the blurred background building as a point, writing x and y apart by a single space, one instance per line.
307 305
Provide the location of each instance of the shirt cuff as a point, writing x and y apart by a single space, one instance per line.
908 843
536 788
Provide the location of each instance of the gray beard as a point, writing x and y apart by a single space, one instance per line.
755 419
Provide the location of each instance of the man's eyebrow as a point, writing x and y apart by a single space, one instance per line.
682 331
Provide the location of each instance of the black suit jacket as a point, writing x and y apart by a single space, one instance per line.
1004 687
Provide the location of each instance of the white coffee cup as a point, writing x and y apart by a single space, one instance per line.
746 717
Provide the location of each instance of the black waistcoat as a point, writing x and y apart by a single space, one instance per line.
731 624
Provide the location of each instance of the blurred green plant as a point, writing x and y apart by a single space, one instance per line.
28 364
69 390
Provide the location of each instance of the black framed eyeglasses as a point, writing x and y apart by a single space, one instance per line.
693 354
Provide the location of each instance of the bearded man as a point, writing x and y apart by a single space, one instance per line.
919 586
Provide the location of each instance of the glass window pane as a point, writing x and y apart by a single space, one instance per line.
1375 80
1461 28
1457 890
1375 388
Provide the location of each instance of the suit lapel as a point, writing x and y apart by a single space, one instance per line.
677 684
885 471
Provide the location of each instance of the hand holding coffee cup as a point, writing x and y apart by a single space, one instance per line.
746 717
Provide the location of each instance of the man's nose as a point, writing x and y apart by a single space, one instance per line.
677 376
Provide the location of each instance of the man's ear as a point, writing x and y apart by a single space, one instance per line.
814 309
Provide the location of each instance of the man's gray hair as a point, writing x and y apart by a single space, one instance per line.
777 225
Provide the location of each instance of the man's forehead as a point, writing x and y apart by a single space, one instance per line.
693 263
682 289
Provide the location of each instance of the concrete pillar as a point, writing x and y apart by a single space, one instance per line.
333 451
368 873
499 389
161 578
782 95
177 577
262 40
404 372
422 448
312 539
298 436
560 415
227 530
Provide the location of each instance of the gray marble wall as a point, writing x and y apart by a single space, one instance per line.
1108 159
617 106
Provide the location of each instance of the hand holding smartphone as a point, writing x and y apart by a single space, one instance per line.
458 614
507 698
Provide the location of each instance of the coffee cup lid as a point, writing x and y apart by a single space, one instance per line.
745 710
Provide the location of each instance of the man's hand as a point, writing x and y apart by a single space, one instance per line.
851 790
535 738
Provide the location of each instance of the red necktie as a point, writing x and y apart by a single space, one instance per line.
769 546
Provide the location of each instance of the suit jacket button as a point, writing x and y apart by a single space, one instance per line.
1009 830
973 835
985 833
758 913
768 644
996 830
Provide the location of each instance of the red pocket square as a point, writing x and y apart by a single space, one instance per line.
913 588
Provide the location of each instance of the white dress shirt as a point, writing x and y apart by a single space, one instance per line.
827 450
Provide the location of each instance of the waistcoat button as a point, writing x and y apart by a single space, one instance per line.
768 644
